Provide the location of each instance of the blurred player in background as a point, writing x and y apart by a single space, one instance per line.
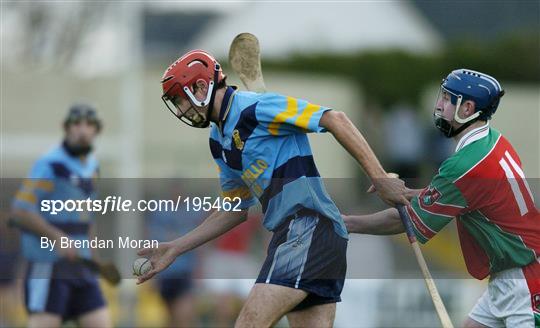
57 286
482 185
176 282
260 145
9 269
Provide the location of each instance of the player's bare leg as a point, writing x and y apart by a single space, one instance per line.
267 303
44 320
316 316
96 318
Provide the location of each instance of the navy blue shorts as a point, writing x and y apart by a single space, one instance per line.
172 288
306 253
66 289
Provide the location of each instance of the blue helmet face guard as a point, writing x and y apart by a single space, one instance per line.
443 123
463 85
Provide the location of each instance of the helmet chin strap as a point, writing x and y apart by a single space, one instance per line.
209 101
446 127
464 120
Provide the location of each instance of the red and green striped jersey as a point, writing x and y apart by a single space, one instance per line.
483 186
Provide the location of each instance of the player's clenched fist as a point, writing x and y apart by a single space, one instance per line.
392 191
160 258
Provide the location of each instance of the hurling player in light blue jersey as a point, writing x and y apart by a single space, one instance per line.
57 287
260 145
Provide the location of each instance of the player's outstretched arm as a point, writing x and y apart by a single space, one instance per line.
391 190
215 225
386 222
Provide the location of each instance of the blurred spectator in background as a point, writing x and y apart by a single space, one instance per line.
404 143
176 282
440 148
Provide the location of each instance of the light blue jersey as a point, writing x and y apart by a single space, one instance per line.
57 176
262 151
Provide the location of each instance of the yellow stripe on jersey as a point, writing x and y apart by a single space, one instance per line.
242 192
303 120
26 196
290 111
45 185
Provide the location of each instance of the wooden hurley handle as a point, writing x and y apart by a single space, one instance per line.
433 292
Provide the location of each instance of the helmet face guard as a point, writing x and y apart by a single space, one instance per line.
178 85
192 116
462 85
445 125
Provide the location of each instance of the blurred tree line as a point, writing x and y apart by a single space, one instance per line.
394 77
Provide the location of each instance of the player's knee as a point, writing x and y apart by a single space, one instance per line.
246 317
250 317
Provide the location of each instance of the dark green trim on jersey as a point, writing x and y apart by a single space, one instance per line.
504 249
469 156
431 212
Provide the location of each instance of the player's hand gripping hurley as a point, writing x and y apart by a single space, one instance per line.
435 297
107 270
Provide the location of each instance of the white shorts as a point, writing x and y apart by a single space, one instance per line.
512 299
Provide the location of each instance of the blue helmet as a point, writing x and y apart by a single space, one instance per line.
481 88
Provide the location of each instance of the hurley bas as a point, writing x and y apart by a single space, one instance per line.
95 243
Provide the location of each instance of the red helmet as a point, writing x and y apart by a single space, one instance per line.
179 79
